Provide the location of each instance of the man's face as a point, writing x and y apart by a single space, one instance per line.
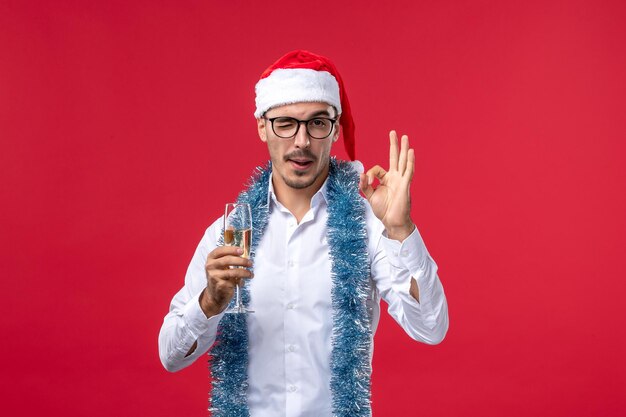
302 161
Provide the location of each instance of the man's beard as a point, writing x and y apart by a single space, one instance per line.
298 185
300 182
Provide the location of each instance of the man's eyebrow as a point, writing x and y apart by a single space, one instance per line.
321 113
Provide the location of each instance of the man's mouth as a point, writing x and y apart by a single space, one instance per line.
300 163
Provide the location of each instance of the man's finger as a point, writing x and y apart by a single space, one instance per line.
225 251
224 262
393 150
375 172
232 275
365 188
410 165
404 148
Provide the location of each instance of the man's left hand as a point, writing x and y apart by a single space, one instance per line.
391 199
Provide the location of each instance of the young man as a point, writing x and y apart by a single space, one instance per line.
323 257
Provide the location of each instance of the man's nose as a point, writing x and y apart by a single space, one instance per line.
302 137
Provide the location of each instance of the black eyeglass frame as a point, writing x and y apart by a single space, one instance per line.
306 126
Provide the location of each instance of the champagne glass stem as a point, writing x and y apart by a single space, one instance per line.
238 305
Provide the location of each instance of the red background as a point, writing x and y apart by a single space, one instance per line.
125 126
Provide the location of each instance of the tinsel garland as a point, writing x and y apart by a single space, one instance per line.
229 356
351 339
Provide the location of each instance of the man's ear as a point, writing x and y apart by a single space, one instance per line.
336 134
260 123
338 127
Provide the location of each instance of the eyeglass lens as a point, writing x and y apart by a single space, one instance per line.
287 127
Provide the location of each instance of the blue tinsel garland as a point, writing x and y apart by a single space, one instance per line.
350 357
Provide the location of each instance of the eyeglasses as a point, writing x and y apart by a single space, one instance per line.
317 128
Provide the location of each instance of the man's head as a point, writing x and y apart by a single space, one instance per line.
300 104
299 137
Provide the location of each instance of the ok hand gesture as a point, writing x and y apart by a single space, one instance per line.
391 199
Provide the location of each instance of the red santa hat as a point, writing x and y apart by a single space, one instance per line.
302 76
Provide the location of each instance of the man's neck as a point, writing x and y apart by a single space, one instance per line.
296 200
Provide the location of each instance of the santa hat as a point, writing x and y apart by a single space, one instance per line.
302 76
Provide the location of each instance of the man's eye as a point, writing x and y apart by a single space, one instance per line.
284 123
318 122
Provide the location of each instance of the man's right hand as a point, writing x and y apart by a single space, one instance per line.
221 279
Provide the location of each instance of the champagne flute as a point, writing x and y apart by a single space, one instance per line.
238 232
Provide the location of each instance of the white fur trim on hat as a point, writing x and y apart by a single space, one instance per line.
296 85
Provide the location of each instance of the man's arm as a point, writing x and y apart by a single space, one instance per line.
399 270
404 273
190 328
187 332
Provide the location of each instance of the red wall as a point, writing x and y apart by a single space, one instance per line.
125 126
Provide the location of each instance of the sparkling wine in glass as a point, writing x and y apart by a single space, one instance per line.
238 232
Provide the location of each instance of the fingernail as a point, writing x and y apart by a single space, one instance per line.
239 251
